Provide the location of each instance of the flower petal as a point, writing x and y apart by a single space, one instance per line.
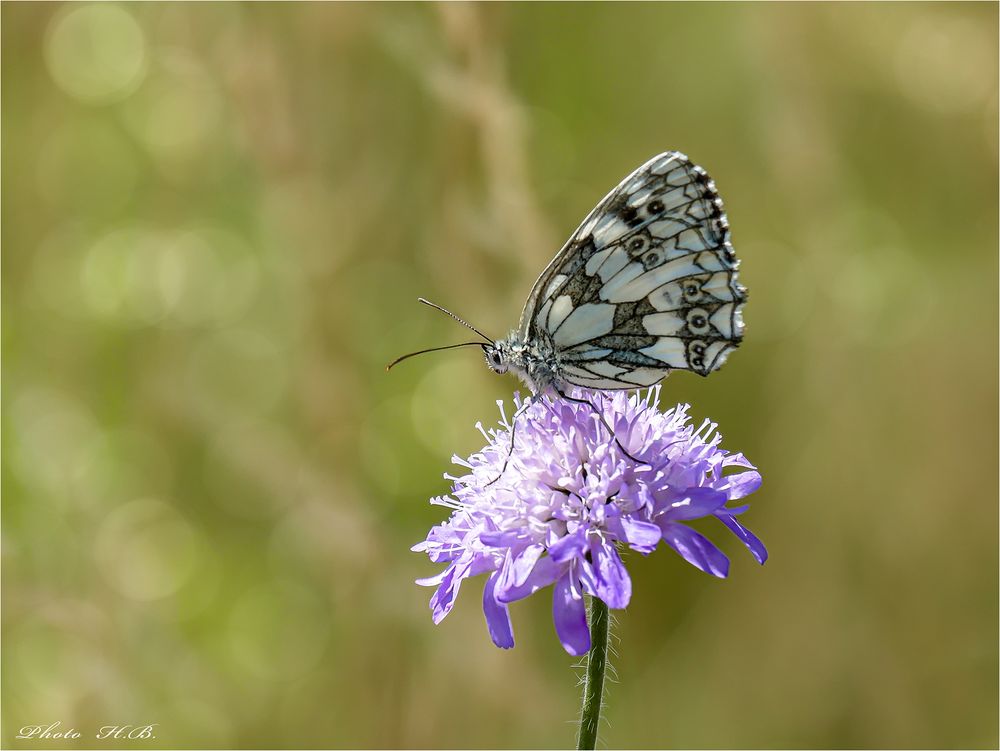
444 596
614 585
433 581
571 499
497 616
643 536
523 564
743 484
695 503
543 574
481 564
748 538
737 460
585 576
571 546
696 549
570 616
498 539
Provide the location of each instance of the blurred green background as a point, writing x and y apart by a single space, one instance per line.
216 221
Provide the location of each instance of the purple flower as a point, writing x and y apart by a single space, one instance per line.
569 498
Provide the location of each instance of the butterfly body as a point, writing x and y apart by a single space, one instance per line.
535 361
647 284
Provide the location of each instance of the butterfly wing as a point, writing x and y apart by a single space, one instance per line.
645 285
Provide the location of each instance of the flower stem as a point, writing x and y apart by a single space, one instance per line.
593 687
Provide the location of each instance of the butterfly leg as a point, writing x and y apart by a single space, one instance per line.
604 422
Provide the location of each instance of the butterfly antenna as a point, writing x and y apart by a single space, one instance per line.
448 312
432 349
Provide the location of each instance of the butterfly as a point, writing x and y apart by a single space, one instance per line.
645 285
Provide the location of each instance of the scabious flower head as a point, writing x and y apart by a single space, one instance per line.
557 506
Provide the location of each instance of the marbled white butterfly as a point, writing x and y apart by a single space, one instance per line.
647 284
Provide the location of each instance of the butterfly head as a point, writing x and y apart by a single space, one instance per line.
497 357
534 362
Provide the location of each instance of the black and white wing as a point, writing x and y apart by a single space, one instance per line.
645 285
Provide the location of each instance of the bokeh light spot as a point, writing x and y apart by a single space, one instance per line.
146 549
209 276
143 276
53 434
109 276
442 421
178 109
96 53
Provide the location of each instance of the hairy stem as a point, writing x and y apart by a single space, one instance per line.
593 687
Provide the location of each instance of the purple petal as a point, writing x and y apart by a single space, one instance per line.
696 549
497 616
433 581
695 503
743 484
571 546
612 580
640 494
501 539
517 567
748 538
443 556
444 596
737 460
570 616
585 576
543 574
643 536
481 564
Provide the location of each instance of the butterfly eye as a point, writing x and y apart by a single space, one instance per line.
655 207
494 361
697 321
